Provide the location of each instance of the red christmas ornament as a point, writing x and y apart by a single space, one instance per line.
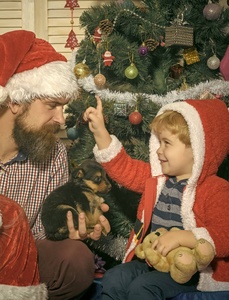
135 117
72 41
97 35
72 4
108 58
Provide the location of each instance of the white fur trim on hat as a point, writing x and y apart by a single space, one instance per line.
55 79
197 137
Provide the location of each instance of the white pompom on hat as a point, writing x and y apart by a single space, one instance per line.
31 68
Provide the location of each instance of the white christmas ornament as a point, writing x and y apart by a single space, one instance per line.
213 62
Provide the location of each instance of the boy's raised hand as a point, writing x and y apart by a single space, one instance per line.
94 117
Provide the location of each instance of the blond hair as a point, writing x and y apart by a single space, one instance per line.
175 123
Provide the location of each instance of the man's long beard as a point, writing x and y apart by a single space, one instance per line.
37 144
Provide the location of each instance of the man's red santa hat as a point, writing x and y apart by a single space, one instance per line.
31 68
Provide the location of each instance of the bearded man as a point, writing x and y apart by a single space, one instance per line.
35 84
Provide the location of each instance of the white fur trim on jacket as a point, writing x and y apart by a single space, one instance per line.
133 242
55 79
106 155
35 292
208 284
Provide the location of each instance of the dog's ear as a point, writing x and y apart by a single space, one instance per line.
78 173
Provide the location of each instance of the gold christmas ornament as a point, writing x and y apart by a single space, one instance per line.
81 70
106 26
100 79
191 55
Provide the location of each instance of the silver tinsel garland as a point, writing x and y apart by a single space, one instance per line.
217 86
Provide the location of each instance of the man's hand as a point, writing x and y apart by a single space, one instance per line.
81 233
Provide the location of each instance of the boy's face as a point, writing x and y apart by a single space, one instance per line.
175 157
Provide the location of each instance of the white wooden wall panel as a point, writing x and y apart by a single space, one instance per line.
10 15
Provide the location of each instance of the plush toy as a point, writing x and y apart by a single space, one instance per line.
182 262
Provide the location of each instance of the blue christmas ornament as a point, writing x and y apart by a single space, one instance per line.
72 133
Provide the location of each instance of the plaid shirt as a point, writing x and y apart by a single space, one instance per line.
29 183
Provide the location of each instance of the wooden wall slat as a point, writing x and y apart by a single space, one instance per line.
13 14
10 5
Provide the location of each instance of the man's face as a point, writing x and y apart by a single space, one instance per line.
36 127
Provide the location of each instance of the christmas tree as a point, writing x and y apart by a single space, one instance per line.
138 58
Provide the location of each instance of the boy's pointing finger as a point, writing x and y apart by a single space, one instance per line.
99 104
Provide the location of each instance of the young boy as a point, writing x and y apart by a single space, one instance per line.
179 188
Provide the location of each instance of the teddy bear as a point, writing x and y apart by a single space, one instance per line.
182 262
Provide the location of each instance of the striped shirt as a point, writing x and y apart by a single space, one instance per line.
29 183
167 210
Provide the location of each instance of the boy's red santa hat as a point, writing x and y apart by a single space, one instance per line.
31 68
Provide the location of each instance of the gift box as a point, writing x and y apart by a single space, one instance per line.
175 71
191 55
120 109
179 35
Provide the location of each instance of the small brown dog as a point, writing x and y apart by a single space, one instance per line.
82 193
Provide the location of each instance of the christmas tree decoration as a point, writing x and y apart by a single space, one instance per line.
97 35
128 4
184 86
72 133
179 35
151 44
175 71
135 117
108 58
106 27
213 62
191 55
224 65
131 72
72 41
100 79
143 50
72 4
81 70
207 95
162 43
212 11
120 109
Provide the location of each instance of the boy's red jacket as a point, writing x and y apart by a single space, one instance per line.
205 200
